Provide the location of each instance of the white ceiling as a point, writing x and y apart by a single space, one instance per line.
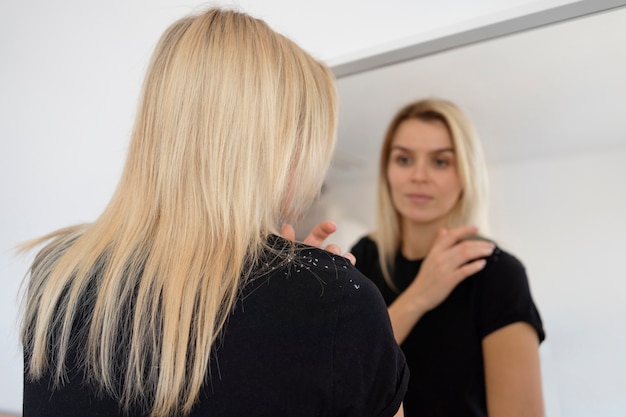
336 30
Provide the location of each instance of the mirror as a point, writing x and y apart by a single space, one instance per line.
550 107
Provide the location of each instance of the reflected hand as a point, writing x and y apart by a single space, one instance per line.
448 263
317 236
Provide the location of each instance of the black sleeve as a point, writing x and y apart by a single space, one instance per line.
506 296
370 375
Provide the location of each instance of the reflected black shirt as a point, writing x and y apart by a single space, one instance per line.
444 349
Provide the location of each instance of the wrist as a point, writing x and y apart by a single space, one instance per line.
415 303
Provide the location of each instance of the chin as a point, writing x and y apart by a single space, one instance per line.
423 218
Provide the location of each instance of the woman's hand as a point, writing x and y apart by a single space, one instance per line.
317 236
449 261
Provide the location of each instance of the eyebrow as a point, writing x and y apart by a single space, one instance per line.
402 148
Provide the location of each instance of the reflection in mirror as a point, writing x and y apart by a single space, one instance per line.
550 107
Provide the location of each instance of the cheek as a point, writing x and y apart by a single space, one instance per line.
393 179
452 186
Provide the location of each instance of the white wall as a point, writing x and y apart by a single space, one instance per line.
565 217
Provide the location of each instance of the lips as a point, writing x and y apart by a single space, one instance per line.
420 198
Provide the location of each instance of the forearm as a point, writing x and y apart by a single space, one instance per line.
404 313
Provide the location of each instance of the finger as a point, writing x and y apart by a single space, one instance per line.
443 241
320 233
334 249
467 251
288 232
349 256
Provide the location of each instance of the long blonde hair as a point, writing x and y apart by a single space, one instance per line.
471 208
234 132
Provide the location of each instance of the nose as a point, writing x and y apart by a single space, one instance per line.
419 172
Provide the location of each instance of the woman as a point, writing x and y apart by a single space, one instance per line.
181 299
460 307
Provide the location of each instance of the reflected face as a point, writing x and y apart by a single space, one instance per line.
422 172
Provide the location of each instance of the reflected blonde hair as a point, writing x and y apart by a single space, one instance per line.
234 133
471 208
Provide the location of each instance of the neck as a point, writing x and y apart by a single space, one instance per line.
418 238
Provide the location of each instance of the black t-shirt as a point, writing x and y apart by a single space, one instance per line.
444 349
310 337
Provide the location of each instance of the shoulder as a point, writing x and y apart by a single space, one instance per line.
505 294
359 303
504 264
305 272
338 274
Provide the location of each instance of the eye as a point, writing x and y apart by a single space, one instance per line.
442 160
402 160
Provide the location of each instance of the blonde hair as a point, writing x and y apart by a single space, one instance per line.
234 132
471 208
